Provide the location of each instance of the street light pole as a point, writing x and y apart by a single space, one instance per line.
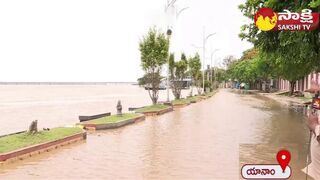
212 53
205 38
178 13
169 33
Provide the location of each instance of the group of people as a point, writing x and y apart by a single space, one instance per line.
240 85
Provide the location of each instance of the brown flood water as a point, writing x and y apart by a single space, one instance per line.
207 140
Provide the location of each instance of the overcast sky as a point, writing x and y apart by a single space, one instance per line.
97 40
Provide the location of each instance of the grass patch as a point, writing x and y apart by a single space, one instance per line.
180 101
194 98
152 108
112 119
22 140
210 93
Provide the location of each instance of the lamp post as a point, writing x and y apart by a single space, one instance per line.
170 4
205 39
212 53
169 33
179 12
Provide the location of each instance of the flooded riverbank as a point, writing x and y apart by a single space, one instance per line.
207 140
59 105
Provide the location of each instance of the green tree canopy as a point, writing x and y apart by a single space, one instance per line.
195 72
178 71
154 49
292 55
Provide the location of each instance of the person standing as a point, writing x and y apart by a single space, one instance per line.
314 126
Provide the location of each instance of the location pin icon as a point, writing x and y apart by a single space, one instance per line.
283 158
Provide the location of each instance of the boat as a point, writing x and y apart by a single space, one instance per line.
88 118
134 108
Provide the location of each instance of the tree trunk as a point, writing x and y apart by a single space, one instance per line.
154 94
292 85
176 89
191 88
199 89
154 87
154 100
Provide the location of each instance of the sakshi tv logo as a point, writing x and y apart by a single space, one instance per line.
268 20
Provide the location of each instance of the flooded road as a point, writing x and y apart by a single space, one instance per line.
207 140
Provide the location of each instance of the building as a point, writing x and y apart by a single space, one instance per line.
301 85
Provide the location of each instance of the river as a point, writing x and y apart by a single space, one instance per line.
207 140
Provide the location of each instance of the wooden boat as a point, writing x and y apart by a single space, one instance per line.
12 134
88 118
134 108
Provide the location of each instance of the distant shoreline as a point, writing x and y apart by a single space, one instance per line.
65 83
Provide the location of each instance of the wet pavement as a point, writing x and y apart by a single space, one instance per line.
207 140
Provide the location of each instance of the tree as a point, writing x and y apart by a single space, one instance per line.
195 71
171 64
207 84
220 75
143 81
227 61
251 68
291 69
198 82
293 55
178 71
154 53
244 71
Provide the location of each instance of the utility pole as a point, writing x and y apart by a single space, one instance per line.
205 38
212 53
169 33
170 4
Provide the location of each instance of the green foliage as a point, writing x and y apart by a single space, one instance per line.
208 84
150 78
249 54
251 67
195 72
244 71
220 75
195 66
154 49
292 55
142 81
178 71
315 4
171 63
181 68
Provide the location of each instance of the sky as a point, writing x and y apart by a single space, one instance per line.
98 40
